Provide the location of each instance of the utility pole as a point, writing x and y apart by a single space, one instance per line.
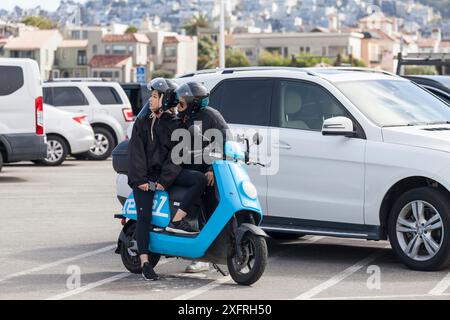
222 35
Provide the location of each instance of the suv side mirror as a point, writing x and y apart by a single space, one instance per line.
257 139
338 126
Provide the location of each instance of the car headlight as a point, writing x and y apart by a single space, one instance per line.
249 190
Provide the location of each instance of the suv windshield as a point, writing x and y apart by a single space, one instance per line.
391 103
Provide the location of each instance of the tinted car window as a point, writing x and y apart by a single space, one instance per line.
305 106
244 101
11 79
441 95
106 95
64 96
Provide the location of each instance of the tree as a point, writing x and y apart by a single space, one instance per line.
271 59
235 58
162 74
198 21
208 54
131 29
39 22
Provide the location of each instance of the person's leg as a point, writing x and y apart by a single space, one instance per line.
144 203
195 182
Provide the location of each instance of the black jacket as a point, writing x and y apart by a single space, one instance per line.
210 118
149 151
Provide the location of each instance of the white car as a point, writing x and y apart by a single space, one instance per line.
362 154
105 103
67 133
21 111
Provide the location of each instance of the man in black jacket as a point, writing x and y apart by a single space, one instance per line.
194 110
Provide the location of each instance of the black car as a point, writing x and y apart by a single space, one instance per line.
438 85
138 94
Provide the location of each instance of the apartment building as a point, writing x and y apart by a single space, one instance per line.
325 44
40 45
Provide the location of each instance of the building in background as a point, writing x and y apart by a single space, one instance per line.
322 44
39 45
71 59
112 67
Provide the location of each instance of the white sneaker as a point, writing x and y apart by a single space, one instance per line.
197 266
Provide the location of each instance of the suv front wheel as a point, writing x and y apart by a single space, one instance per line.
103 146
419 229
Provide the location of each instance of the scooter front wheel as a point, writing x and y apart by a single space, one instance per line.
129 254
249 267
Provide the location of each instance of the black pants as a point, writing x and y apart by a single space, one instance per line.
196 183
144 204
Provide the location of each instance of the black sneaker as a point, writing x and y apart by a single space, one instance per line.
148 273
181 227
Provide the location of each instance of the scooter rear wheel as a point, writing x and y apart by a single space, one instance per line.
247 269
129 255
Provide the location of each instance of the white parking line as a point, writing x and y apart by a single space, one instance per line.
441 287
399 296
216 283
89 286
96 284
57 263
339 277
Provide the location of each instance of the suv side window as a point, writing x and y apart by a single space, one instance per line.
64 96
106 95
11 79
244 101
305 106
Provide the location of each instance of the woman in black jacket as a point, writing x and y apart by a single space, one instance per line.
150 165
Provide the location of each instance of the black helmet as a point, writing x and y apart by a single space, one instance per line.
196 96
166 88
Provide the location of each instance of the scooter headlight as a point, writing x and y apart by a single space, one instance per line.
249 190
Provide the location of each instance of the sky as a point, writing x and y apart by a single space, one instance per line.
45 4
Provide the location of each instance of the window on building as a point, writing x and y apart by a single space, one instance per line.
95 74
106 74
170 52
81 58
64 96
108 49
106 95
131 49
274 50
94 49
11 79
119 49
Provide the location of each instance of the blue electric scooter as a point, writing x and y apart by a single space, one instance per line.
229 236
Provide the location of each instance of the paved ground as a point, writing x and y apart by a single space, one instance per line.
57 222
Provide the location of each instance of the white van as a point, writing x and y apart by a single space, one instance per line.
22 135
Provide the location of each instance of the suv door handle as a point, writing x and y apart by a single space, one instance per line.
283 145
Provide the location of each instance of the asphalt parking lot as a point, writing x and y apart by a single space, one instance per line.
57 223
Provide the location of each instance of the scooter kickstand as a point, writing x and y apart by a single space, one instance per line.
218 269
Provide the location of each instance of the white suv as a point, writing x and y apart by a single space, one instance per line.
105 104
21 111
362 154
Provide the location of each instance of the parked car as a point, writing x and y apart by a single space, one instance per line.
438 85
138 94
21 111
105 104
67 133
361 154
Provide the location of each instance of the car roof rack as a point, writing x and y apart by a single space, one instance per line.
77 80
354 69
243 69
